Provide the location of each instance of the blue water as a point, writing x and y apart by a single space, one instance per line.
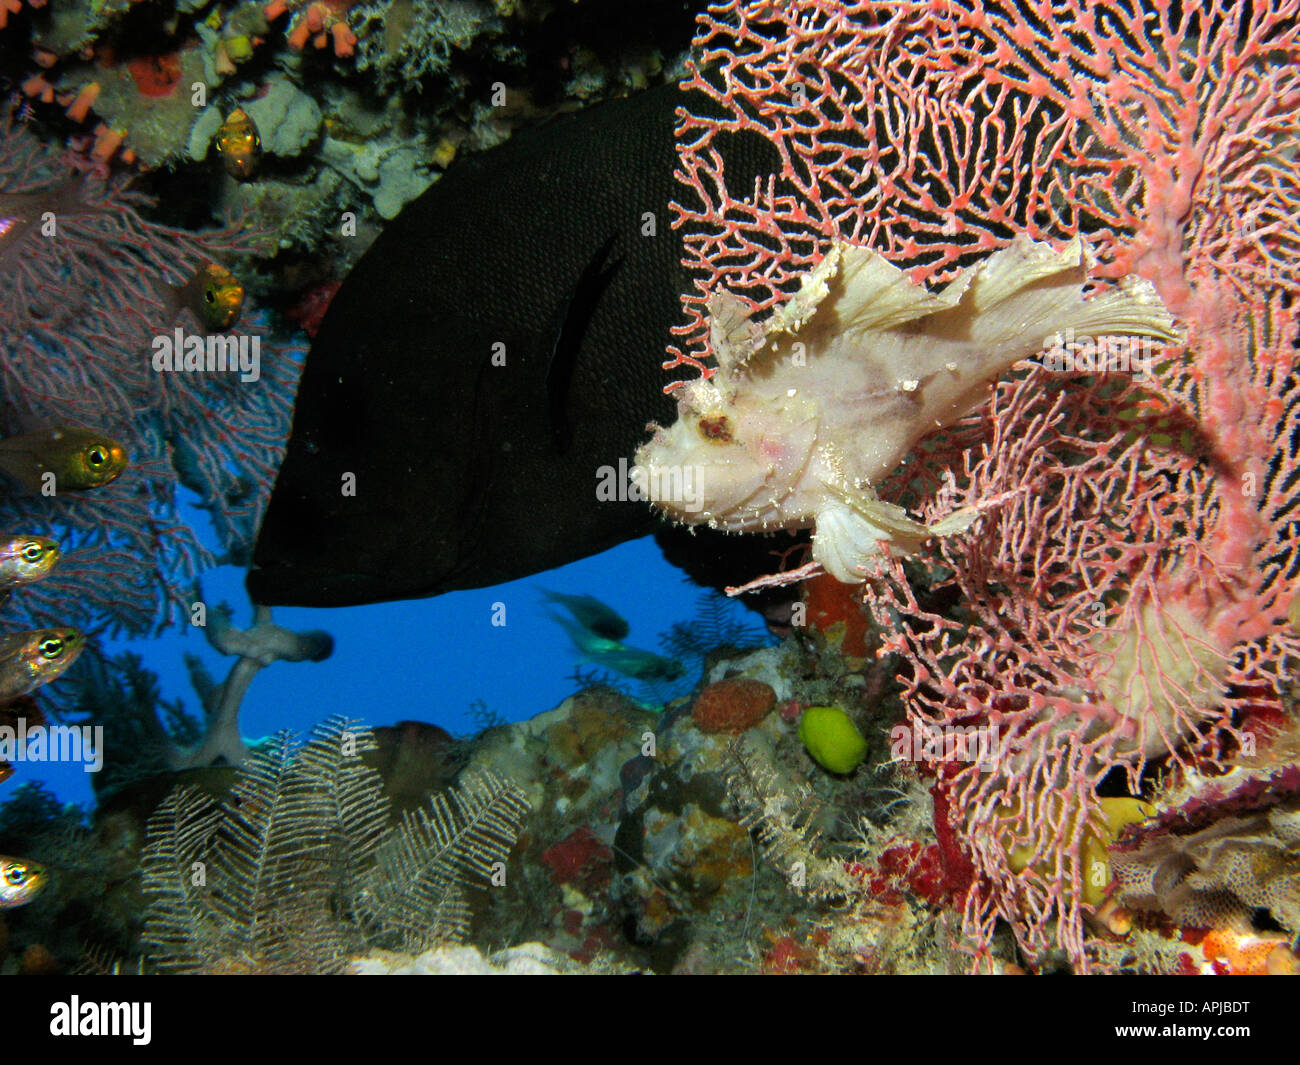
424 659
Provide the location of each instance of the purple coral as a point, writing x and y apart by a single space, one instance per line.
85 284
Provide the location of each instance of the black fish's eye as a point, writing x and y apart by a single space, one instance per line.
32 551
16 875
52 647
210 296
97 456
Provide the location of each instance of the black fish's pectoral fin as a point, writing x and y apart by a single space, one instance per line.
572 318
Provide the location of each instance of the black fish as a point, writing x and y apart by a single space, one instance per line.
469 473
578 308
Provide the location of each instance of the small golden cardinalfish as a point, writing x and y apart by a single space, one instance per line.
26 559
30 659
20 881
239 145
78 459
215 296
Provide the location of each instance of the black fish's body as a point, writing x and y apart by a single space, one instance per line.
500 344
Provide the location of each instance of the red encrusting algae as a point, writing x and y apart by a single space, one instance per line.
156 75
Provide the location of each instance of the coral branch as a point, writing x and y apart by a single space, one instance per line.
255 648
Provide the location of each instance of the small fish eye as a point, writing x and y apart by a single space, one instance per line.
52 648
16 875
32 551
97 455
210 296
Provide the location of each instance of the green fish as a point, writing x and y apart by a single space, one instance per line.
30 659
20 881
24 560
76 458
638 664
590 613
611 654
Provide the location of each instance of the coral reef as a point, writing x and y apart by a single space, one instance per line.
90 891
1219 876
92 917
417 39
288 119
146 735
636 849
86 288
320 22
144 102
1122 600
397 88
1060 737
298 869
529 959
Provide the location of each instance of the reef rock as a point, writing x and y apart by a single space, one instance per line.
529 959
286 117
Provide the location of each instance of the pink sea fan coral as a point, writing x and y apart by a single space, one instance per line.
85 283
1138 550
